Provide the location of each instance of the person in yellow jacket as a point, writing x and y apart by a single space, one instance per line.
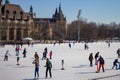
36 62
36 56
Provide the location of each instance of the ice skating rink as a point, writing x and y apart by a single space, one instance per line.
76 61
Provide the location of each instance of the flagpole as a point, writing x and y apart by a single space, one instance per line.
79 12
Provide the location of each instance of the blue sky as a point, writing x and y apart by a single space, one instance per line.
99 11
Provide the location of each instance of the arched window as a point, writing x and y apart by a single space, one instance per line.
21 14
14 14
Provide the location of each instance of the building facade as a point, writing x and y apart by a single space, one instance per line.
16 24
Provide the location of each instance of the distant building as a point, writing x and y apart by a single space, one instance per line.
15 24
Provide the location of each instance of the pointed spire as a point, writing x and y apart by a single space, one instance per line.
59 7
31 11
56 12
6 1
59 14
61 17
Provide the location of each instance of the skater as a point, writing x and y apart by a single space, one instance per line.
69 45
6 55
108 44
17 49
101 64
44 55
91 59
24 52
118 52
36 62
48 68
45 50
86 47
36 56
62 62
96 57
119 66
54 43
115 64
50 54
18 59
32 44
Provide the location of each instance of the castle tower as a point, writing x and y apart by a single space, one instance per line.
59 14
61 17
6 1
56 15
31 12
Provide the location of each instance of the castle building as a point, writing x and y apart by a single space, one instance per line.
16 24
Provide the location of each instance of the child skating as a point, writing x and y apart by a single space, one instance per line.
62 62
6 55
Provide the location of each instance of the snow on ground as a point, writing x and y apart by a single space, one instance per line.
75 58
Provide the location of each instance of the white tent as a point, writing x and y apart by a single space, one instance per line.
27 39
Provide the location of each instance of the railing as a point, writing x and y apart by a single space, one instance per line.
112 77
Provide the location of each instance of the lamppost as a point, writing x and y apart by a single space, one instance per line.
79 12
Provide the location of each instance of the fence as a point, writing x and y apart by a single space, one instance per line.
113 77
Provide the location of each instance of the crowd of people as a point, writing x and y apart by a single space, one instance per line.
99 60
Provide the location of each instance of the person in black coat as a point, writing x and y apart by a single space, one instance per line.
24 52
91 59
115 63
86 47
118 52
69 45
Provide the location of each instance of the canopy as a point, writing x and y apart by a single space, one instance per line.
27 39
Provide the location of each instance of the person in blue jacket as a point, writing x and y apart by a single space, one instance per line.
115 64
36 73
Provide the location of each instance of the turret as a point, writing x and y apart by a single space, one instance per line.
31 12
60 7
6 1
56 15
61 16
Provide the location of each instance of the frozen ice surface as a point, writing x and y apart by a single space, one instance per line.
76 61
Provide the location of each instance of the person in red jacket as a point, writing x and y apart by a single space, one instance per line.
101 64
50 54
